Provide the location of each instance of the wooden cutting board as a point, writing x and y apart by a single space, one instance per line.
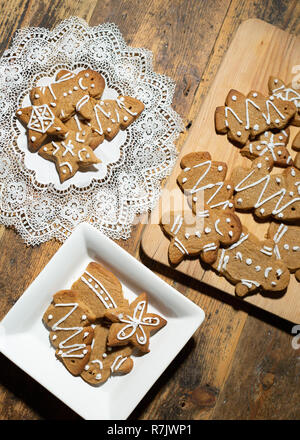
257 51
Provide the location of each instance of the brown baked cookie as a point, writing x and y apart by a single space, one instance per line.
84 130
40 122
201 234
105 361
109 116
270 143
278 89
69 155
286 245
203 181
296 142
70 332
70 93
133 325
251 266
245 117
267 195
100 289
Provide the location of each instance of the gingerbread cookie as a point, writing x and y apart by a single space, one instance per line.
69 155
69 320
133 325
201 234
70 93
105 361
100 289
270 143
286 245
268 196
203 180
251 266
40 122
245 117
285 92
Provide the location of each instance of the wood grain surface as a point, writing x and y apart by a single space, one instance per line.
240 364
257 51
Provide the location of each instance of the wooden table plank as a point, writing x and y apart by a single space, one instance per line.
188 40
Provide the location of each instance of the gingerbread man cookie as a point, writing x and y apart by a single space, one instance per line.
40 122
70 93
251 266
286 245
100 289
285 92
69 155
203 180
68 320
267 195
133 325
105 361
245 117
201 234
270 143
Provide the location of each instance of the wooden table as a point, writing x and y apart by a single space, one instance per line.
240 364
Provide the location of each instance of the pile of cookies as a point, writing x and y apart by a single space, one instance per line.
212 230
68 120
94 329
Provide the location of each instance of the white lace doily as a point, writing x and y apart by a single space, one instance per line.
127 182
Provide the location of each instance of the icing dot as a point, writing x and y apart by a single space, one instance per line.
271 98
262 210
280 138
220 168
187 235
248 261
230 205
70 92
64 94
86 75
239 133
85 334
52 104
279 152
228 220
277 121
254 95
33 138
96 286
87 367
233 98
195 199
273 283
293 172
259 165
228 187
280 215
278 180
207 230
50 316
36 96
54 337
256 127
84 351
90 280
275 81
92 85
125 118
75 88
58 128
197 233
83 317
104 355
291 193
258 147
108 130
120 315
296 248
257 268
98 376
19 112
230 233
184 180
239 201
45 148
286 246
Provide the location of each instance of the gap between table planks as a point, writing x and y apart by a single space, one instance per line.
257 51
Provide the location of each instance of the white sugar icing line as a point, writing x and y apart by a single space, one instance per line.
180 246
82 102
96 292
117 363
77 330
81 85
177 224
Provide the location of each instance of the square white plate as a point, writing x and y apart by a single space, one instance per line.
25 340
